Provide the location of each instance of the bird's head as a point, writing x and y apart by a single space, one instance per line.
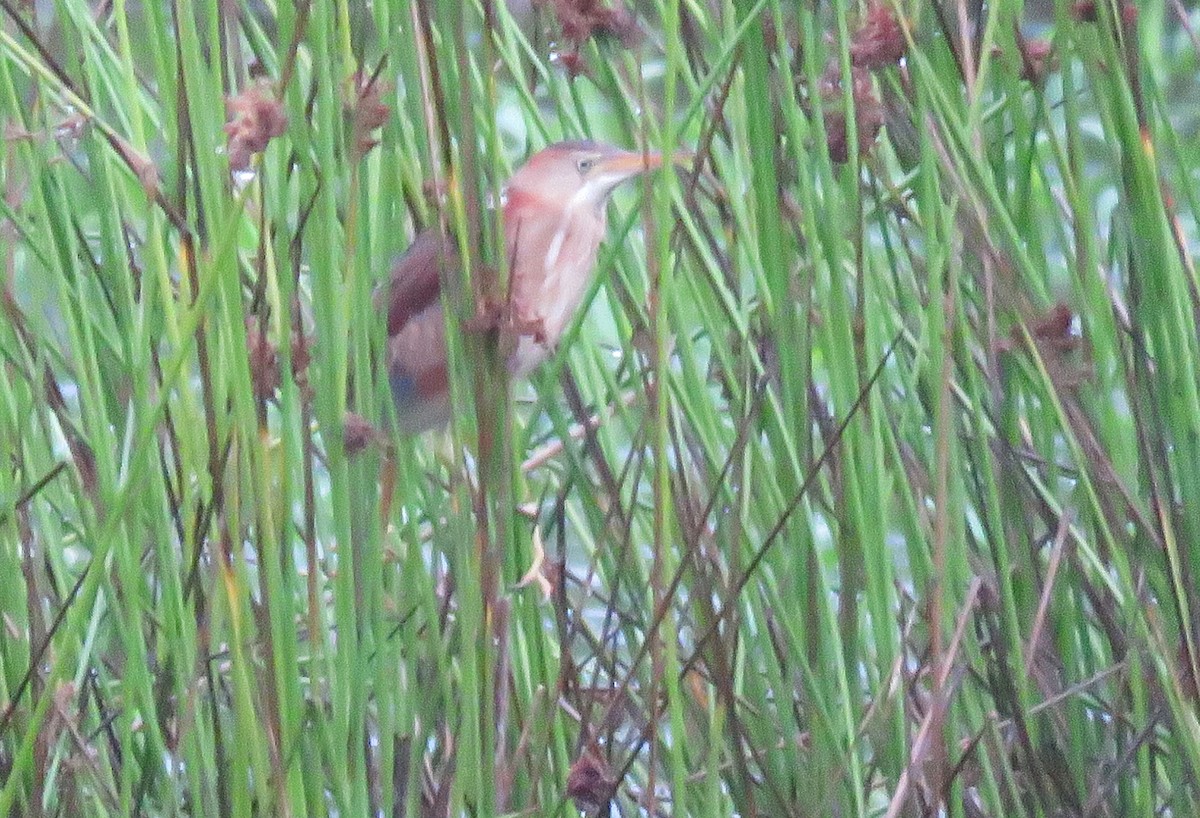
581 173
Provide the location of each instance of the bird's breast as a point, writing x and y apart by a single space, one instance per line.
551 254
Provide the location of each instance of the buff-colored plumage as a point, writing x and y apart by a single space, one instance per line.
554 220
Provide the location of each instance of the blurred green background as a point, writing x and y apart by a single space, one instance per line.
867 484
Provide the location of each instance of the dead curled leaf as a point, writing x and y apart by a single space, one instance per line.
537 573
141 165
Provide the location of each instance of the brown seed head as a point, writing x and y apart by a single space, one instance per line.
301 356
363 98
582 19
357 433
868 112
879 41
1085 11
590 782
1036 59
572 62
264 360
256 118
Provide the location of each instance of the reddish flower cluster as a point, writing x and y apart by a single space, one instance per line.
1053 329
879 41
1087 11
358 433
590 782
868 115
364 101
264 359
256 118
581 19
1036 58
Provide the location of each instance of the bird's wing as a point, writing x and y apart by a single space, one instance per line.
417 371
416 348
414 283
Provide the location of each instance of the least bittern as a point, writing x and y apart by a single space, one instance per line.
554 220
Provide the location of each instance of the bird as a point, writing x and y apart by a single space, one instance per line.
554 218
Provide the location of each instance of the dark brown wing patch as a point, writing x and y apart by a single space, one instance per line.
414 283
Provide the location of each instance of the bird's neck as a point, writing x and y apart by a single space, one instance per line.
517 199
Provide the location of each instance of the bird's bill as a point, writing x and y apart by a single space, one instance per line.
630 163
619 166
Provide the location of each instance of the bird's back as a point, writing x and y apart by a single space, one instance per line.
416 347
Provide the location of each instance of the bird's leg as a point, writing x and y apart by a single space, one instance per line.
490 317
534 328
506 327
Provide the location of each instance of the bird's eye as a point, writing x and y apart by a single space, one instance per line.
584 165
